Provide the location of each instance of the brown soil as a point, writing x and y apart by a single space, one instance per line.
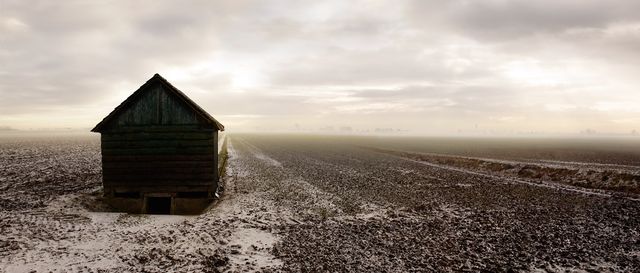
295 203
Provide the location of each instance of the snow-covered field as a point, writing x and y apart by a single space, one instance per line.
319 203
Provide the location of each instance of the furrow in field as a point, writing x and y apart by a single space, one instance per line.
585 180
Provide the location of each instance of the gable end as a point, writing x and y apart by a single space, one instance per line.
157 102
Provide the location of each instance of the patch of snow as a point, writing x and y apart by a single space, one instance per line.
251 250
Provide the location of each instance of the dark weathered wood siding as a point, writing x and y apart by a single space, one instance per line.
157 107
159 144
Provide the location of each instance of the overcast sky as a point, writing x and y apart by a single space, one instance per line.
430 67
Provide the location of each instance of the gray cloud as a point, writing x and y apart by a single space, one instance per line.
366 63
497 19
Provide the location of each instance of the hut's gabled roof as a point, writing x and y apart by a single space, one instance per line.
169 88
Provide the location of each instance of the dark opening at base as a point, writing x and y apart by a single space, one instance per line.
159 205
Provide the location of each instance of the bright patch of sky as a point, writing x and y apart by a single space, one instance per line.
427 67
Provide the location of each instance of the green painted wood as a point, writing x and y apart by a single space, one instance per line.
204 150
158 164
160 176
166 129
172 188
174 111
156 135
154 171
221 159
142 112
156 106
161 181
159 144
130 182
217 156
150 158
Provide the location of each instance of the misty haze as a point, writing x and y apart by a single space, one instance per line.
324 136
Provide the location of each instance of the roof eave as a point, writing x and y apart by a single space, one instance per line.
206 116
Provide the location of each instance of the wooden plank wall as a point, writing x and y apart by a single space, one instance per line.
156 106
159 144
152 160
222 154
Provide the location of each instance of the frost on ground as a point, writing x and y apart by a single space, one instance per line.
618 178
71 231
311 203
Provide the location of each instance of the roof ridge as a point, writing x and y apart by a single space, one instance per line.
173 89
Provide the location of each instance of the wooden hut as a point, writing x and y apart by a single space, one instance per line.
159 152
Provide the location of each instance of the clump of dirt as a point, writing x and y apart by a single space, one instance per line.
216 262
